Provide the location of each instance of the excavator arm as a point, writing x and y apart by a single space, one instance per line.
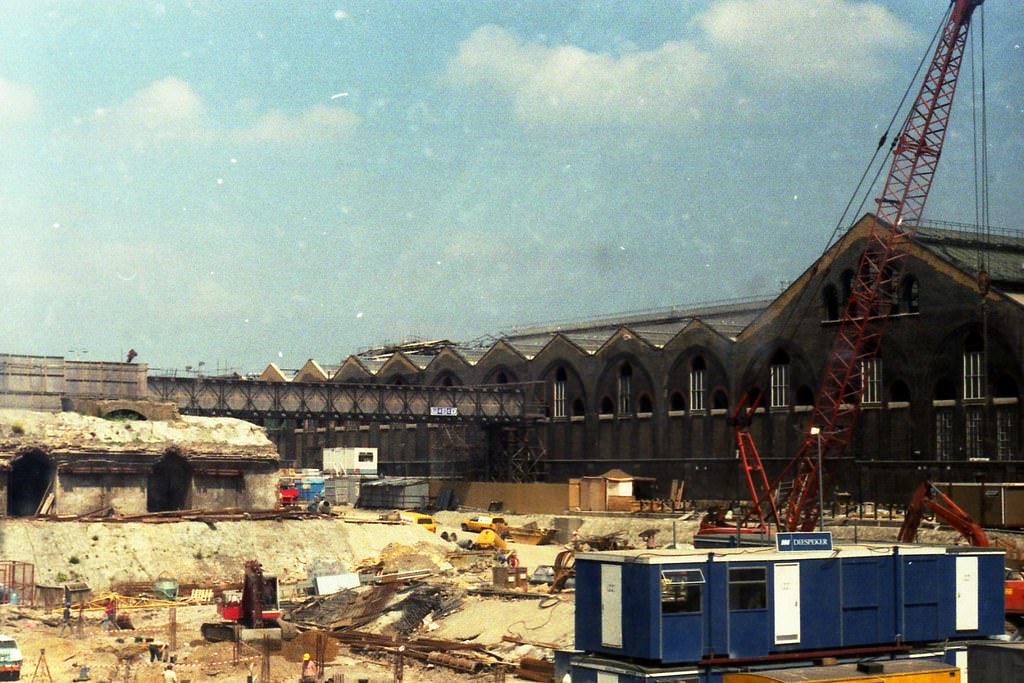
929 499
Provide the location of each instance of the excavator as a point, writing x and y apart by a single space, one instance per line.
252 613
790 502
928 499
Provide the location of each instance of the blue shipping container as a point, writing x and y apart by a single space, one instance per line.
687 606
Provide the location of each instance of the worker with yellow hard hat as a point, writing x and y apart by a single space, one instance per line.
309 669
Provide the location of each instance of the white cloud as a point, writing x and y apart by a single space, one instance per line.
316 124
167 109
806 43
17 102
746 55
569 84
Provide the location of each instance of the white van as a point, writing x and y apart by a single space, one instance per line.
10 659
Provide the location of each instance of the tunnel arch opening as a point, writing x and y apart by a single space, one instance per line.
169 484
28 483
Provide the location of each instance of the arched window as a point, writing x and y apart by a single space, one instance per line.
447 381
578 408
974 368
644 404
944 390
899 392
804 396
698 376
910 301
846 281
1006 387
780 379
502 378
607 407
676 403
831 301
719 400
558 393
625 389
871 380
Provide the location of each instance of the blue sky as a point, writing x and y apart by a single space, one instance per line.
245 182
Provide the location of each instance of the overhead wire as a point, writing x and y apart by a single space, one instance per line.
879 165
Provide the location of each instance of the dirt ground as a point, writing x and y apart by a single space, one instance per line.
102 554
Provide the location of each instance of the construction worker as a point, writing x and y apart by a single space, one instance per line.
309 669
169 674
109 615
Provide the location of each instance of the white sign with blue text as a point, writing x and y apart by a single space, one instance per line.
803 540
443 411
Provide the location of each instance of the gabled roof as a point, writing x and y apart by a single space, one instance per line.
397 362
623 335
693 327
501 346
273 374
310 372
448 354
353 365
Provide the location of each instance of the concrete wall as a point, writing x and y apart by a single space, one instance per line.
127 493
31 382
78 494
106 380
516 498
216 492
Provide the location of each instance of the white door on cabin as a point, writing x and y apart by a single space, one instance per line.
967 594
611 605
787 603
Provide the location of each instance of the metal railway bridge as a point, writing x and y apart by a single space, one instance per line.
253 399
511 410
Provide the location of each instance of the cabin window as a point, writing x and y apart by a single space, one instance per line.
681 591
748 588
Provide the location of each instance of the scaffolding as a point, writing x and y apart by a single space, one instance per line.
17 582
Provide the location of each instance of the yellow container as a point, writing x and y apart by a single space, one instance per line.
894 671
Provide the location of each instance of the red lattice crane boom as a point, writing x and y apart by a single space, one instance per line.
874 289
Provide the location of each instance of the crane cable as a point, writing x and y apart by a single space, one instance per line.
925 59
981 189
